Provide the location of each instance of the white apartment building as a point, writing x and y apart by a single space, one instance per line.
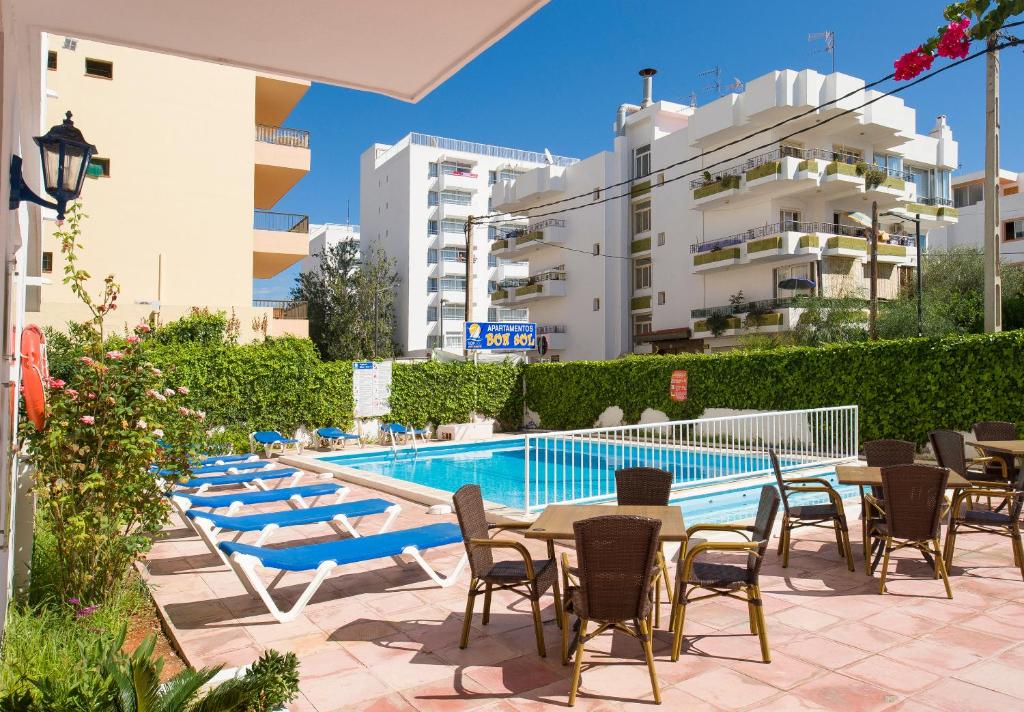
325 236
693 248
415 198
969 200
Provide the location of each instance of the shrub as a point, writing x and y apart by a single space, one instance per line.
201 326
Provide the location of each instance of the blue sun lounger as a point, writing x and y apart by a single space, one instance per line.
273 441
233 501
249 479
227 468
333 437
210 526
224 459
323 558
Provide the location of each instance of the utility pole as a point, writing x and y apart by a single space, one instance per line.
873 295
993 278
920 281
469 276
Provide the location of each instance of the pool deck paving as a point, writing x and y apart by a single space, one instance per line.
382 637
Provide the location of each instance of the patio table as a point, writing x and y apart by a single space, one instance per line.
864 476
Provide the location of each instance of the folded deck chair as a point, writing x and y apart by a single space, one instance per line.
333 437
248 478
391 432
233 501
206 460
209 526
323 558
272 441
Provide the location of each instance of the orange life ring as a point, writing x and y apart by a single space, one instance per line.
34 373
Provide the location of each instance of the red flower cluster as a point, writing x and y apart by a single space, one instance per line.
913 63
954 42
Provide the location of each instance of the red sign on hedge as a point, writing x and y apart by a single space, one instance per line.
677 387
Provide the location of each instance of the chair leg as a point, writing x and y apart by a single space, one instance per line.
885 564
538 627
845 545
941 566
657 600
950 544
564 629
646 632
487 604
762 627
663 564
751 614
470 601
1018 548
785 546
839 537
678 620
578 664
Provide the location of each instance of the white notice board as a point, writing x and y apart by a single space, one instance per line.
371 388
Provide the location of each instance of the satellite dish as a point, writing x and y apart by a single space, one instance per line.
548 157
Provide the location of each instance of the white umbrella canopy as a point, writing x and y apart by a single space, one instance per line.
400 48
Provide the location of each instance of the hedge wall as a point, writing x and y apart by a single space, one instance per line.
904 388
282 384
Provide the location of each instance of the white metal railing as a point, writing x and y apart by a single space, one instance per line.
383 153
574 466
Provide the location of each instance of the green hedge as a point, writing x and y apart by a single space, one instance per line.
764 170
282 383
705 258
904 387
717 186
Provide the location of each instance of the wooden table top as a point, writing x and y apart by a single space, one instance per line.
1010 447
556 521
872 476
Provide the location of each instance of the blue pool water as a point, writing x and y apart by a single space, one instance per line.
579 471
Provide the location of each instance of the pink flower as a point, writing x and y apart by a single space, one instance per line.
133 339
183 390
55 383
157 371
88 419
87 361
90 396
913 63
85 612
156 394
72 393
142 329
954 42
115 355
158 432
168 391
184 411
201 415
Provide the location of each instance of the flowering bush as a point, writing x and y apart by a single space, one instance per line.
106 425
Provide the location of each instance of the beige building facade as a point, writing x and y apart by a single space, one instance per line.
191 160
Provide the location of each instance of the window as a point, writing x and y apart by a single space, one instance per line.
965 195
1012 230
432 284
490 205
51 59
921 178
431 257
661 297
456 168
454 226
99 68
453 340
641 324
942 180
804 271
661 239
453 284
791 150
47 262
492 177
431 198
642 161
492 261
433 342
846 154
641 217
509 174
790 219
431 313
492 287
456 197
597 304
98 167
431 227
431 170
454 256
889 162
556 358
642 273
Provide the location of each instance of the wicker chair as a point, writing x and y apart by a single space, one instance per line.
948 446
648 486
616 558
728 579
1003 465
881 453
911 505
1003 522
831 515
527 577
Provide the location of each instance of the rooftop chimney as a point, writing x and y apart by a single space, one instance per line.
648 75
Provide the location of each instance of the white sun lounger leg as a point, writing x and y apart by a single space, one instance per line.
441 580
245 567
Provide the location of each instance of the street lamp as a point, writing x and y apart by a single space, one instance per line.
917 246
65 155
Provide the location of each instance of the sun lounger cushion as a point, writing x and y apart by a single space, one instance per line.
218 459
333 433
294 517
218 501
270 437
216 469
347 551
241 478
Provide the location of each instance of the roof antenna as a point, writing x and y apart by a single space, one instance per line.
348 211
713 80
829 39
736 86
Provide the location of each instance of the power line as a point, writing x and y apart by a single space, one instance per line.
487 219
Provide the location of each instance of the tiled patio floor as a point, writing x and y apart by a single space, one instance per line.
379 637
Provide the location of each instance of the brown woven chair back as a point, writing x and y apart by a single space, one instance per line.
778 479
997 430
948 446
767 509
616 557
886 453
469 508
643 486
913 496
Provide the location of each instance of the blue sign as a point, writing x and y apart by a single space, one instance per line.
363 365
500 335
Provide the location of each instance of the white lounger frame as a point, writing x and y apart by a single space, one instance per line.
246 568
256 482
281 448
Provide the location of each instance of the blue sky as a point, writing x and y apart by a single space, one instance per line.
556 80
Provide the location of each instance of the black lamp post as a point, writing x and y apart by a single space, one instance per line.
917 246
65 155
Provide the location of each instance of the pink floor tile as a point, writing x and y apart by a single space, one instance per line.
890 674
727 689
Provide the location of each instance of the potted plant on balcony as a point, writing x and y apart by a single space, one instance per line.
873 175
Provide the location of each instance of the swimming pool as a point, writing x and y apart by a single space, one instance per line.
571 472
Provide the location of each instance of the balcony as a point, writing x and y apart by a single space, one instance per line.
287 318
516 315
511 270
540 286
556 335
451 210
458 180
528 189
934 212
517 244
762 316
716 187
282 158
453 268
453 239
279 241
762 243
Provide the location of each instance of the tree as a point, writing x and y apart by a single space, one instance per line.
828 319
351 303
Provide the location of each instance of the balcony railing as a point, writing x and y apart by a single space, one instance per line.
497 314
551 329
753 234
526 229
944 202
760 305
280 222
283 308
777 154
280 136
